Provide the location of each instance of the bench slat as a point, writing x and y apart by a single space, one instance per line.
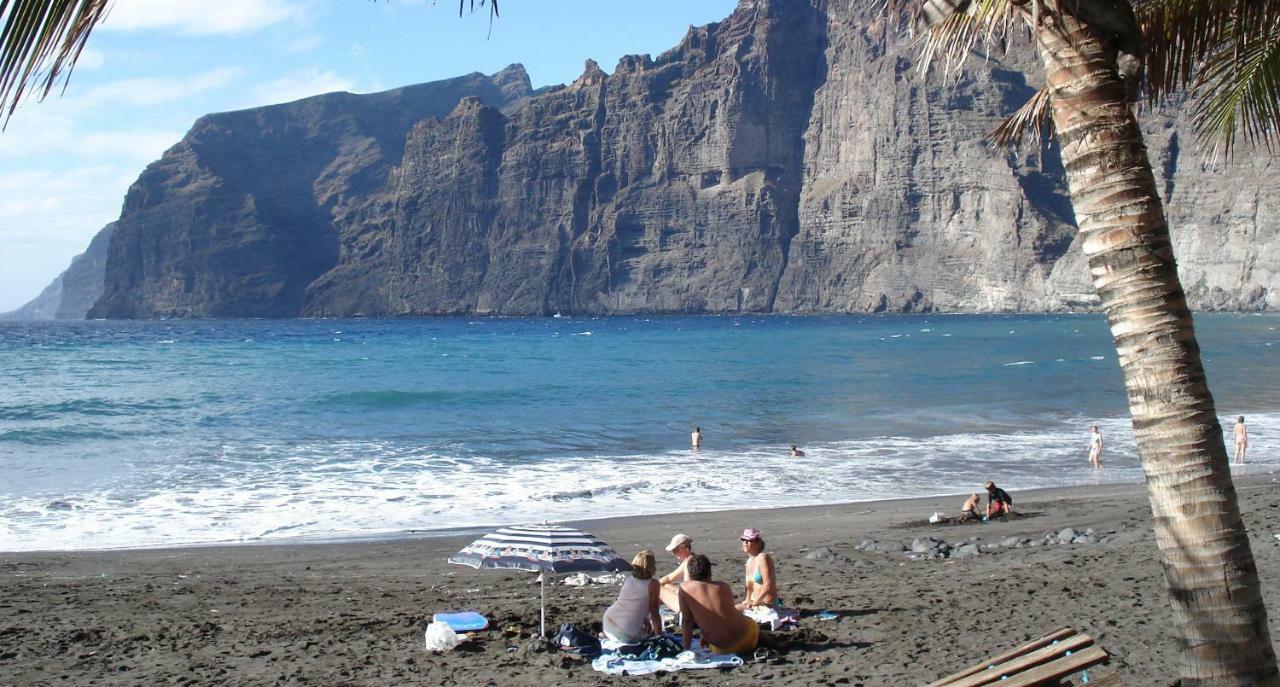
1060 668
1012 653
1045 655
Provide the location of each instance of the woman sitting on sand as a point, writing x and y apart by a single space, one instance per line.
634 615
762 583
709 606
681 547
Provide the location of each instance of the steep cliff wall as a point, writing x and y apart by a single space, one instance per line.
787 159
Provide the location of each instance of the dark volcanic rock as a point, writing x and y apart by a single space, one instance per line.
242 215
790 158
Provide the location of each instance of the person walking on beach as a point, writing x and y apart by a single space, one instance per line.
1242 439
1095 448
696 437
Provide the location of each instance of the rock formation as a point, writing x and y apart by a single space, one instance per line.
790 158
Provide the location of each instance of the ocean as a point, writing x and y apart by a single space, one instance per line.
142 434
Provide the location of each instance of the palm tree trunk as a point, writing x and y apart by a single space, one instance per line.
1209 567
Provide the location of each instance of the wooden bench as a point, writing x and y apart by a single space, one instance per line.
1046 661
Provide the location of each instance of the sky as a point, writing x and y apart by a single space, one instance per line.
155 66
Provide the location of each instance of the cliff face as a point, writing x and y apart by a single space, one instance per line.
243 214
788 159
73 293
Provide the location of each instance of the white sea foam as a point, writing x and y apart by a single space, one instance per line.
339 489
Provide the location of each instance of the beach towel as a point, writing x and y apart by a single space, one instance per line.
611 663
463 621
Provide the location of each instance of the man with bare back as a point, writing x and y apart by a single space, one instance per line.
710 607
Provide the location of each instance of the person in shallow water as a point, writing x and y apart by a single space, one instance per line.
1242 439
696 437
762 582
999 502
709 606
1095 448
681 547
634 615
796 452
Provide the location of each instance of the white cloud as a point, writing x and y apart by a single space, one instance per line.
299 84
199 16
48 217
304 43
147 92
91 60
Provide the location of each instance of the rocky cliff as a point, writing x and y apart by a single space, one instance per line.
787 159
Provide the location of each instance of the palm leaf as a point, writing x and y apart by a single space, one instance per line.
40 43
1225 53
1035 116
1238 91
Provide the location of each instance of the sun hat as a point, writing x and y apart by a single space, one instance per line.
678 541
751 534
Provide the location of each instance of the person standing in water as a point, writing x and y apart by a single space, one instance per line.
1242 439
696 437
1095 448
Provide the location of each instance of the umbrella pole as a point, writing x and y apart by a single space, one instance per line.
543 624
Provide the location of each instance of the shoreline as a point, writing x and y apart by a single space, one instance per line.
583 523
353 613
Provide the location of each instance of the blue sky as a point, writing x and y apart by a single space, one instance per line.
156 65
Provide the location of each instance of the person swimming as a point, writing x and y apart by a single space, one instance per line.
796 452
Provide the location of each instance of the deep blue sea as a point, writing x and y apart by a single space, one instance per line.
124 434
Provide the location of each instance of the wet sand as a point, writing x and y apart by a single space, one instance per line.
353 613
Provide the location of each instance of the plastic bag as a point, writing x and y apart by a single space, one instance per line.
440 638
936 518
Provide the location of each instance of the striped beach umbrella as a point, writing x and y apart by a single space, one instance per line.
541 548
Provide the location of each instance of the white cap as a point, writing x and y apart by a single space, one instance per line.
678 541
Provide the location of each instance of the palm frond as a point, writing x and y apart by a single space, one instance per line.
40 43
1224 52
493 7
1239 91
1035 116
955 29
1181 34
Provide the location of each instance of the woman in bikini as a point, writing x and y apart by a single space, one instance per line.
762 582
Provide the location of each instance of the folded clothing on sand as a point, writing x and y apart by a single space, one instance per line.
614 664
776 618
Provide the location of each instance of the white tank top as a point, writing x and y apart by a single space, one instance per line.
631 608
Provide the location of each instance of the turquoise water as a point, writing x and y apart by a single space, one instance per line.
118 434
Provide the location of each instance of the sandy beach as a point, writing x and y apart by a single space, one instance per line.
353 613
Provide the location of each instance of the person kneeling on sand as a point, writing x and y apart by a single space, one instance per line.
709 606
762 582
999 502
681 547
634 615
969 511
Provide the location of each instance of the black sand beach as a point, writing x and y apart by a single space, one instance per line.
353 613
